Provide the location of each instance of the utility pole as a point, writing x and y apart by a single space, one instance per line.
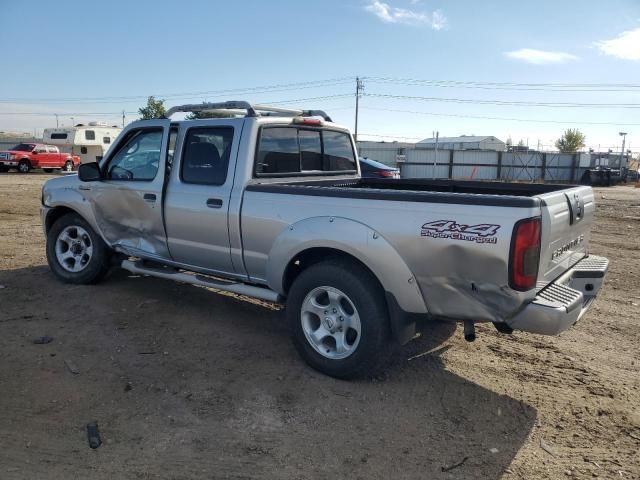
435 156
624 137
57 125
122 118
359 89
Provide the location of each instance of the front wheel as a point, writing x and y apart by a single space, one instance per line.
68 166
24 166
339 320
75 252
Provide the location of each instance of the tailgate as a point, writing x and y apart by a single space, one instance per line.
567 216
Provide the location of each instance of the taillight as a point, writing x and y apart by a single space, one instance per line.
525 254
307 121
384 173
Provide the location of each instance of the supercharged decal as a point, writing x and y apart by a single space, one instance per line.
482 233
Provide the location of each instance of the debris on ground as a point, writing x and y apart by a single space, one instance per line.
72 367
455 465
43 340
547 448
93 435
494 450
147 302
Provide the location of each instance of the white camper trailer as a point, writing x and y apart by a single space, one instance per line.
90 142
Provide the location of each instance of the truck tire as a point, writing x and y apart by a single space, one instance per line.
75 252
24 166
339 320
68 166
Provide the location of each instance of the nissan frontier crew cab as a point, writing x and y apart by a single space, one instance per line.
269 203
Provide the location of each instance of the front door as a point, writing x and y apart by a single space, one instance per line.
128 202
197 197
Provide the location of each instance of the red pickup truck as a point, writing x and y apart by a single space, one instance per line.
26 156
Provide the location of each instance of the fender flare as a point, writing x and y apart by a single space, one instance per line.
74 201
355 239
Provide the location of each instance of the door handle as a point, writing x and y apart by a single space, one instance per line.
214 202
149 197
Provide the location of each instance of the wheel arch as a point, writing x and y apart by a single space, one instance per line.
311 240
54 214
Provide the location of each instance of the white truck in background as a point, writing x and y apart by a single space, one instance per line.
89 141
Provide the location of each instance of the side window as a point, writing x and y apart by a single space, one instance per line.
40 149
52 150
171 146
83 150
278 151
205 155
138 158
89 135
338 151
106 139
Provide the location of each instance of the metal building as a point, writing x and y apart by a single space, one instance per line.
464 142
389 153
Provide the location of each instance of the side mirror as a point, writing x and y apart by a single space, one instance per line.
89 172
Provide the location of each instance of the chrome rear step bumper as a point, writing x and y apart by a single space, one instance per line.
562 303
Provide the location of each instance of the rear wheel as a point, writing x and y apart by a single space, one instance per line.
75 252
339 319
68 166
24 166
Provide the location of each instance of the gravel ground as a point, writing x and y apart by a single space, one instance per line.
185 383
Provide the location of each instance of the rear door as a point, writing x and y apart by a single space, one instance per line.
128 202
197 198
39 157
567 216
53 156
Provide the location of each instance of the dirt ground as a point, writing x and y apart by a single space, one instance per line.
186 384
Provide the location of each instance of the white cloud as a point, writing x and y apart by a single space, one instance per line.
389 14
625 46
540 57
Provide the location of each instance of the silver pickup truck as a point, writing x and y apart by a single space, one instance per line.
269 203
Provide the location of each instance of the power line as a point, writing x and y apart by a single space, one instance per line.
481 117
257 89
562 87
505 102
119 113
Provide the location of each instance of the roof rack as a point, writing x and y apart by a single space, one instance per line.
251 110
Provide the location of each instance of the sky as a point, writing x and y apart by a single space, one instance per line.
520 70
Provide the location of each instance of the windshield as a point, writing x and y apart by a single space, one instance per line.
23 147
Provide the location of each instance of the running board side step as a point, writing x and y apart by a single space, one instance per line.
203 281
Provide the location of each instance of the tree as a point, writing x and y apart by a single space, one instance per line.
154 109
200 115
571 141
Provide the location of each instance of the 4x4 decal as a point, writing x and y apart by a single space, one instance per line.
482 233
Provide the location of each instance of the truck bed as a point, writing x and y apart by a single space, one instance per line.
418 190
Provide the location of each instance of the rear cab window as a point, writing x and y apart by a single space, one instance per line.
292 150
